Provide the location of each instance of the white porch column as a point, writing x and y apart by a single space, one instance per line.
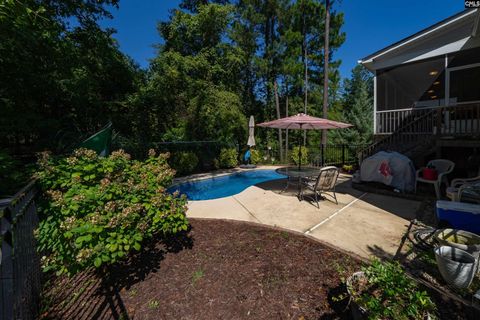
446 116
375 103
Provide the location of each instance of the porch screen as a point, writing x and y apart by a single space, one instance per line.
464 72
414 85
465 84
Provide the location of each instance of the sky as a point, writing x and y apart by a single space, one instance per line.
370 25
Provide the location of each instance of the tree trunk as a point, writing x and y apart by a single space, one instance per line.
286 130
277 106
305 44
325 76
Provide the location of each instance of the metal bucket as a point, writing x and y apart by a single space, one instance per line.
456 266
460 239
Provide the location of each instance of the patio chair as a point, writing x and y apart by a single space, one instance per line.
458 185
443 168
323 184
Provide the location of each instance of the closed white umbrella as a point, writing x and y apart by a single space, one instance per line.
251 132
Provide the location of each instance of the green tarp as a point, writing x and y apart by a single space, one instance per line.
101 141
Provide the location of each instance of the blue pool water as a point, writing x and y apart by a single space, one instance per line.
224 186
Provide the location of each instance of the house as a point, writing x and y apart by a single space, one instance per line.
427 89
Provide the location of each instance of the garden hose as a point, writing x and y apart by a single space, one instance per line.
421 237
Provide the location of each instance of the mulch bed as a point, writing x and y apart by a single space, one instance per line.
218 270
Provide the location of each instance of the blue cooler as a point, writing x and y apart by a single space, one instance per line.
459 215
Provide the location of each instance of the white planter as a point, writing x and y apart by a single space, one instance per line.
358 313
456 266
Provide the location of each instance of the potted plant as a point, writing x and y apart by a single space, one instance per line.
348 168
430 173
384 291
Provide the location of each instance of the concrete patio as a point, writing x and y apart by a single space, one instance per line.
363 223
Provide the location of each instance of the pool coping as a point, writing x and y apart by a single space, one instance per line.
218 173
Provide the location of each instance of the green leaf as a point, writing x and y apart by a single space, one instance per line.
137 246
97 262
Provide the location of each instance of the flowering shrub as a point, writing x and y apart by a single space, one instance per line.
228 158
95 210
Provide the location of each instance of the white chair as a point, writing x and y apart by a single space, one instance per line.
457 186
323 184
443 167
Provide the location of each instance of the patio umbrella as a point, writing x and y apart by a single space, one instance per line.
304 122
251 130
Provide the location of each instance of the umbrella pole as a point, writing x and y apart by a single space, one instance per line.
299 154
300 151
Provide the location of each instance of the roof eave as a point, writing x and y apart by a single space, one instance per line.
370 58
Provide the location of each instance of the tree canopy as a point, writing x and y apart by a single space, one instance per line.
61 73
64 76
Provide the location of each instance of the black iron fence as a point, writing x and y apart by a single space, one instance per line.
206 151
336 154
20 273
328 155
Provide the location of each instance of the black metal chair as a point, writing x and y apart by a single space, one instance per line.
323 184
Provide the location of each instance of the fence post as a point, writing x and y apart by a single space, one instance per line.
323 155
343 154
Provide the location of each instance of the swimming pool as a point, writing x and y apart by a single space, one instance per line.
224 186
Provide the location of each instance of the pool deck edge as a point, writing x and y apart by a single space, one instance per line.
363 223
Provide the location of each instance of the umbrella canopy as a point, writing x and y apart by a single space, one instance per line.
304 122
251 131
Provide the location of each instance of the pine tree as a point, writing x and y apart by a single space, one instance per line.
357 108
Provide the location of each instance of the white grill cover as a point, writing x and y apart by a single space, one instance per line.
390 168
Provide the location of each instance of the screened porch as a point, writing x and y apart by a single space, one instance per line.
439 96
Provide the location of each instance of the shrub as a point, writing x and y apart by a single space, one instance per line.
94 211
388 293
184 162
228 158
216 164
256 157
295 155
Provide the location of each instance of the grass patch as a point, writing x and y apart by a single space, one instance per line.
153 304
197 275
